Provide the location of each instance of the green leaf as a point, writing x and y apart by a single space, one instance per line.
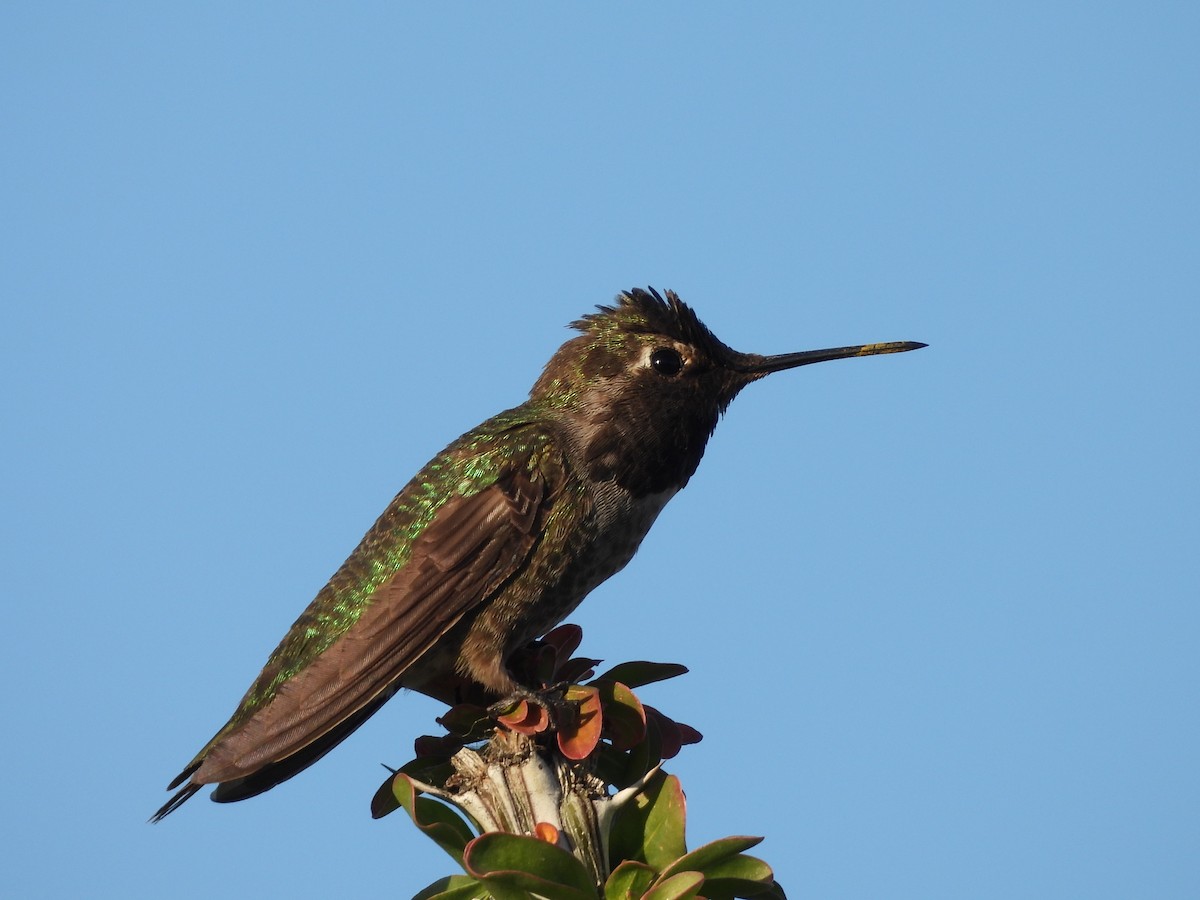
665 823
663 740
437 820
624 716
384 802
636 674
650 827
435 749
670 739
737 876
432 769
647 753
466 720
703 859
454 887
629 881
517 862
677 887
612 765
499 891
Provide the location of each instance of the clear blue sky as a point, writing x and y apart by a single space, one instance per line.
260 261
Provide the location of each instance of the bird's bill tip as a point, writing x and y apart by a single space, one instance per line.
757 366
890 347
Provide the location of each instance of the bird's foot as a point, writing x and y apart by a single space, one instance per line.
531 711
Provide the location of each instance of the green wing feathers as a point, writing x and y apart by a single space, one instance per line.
456 533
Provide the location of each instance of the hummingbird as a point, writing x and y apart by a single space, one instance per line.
497 539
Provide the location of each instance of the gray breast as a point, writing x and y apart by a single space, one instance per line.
620 522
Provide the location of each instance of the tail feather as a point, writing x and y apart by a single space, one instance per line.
175 802
267 776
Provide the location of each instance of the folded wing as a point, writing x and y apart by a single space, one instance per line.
466 554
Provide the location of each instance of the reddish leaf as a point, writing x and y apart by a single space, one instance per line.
688 734
541 665
576 669
565 639
578 739
526 718
670 740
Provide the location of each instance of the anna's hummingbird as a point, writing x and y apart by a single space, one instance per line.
497 539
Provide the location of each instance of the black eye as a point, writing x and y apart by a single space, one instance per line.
666 361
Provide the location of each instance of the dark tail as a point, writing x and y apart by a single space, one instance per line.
271 774
175 802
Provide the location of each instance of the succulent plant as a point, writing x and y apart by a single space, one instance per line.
563 795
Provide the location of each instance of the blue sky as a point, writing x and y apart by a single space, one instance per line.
260 262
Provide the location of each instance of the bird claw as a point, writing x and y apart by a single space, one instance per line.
552 699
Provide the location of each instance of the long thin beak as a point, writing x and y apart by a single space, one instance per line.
757 366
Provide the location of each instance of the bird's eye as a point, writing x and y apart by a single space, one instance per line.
666 361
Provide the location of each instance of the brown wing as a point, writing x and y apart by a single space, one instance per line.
470 549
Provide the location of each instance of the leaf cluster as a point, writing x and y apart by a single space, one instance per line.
606 735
